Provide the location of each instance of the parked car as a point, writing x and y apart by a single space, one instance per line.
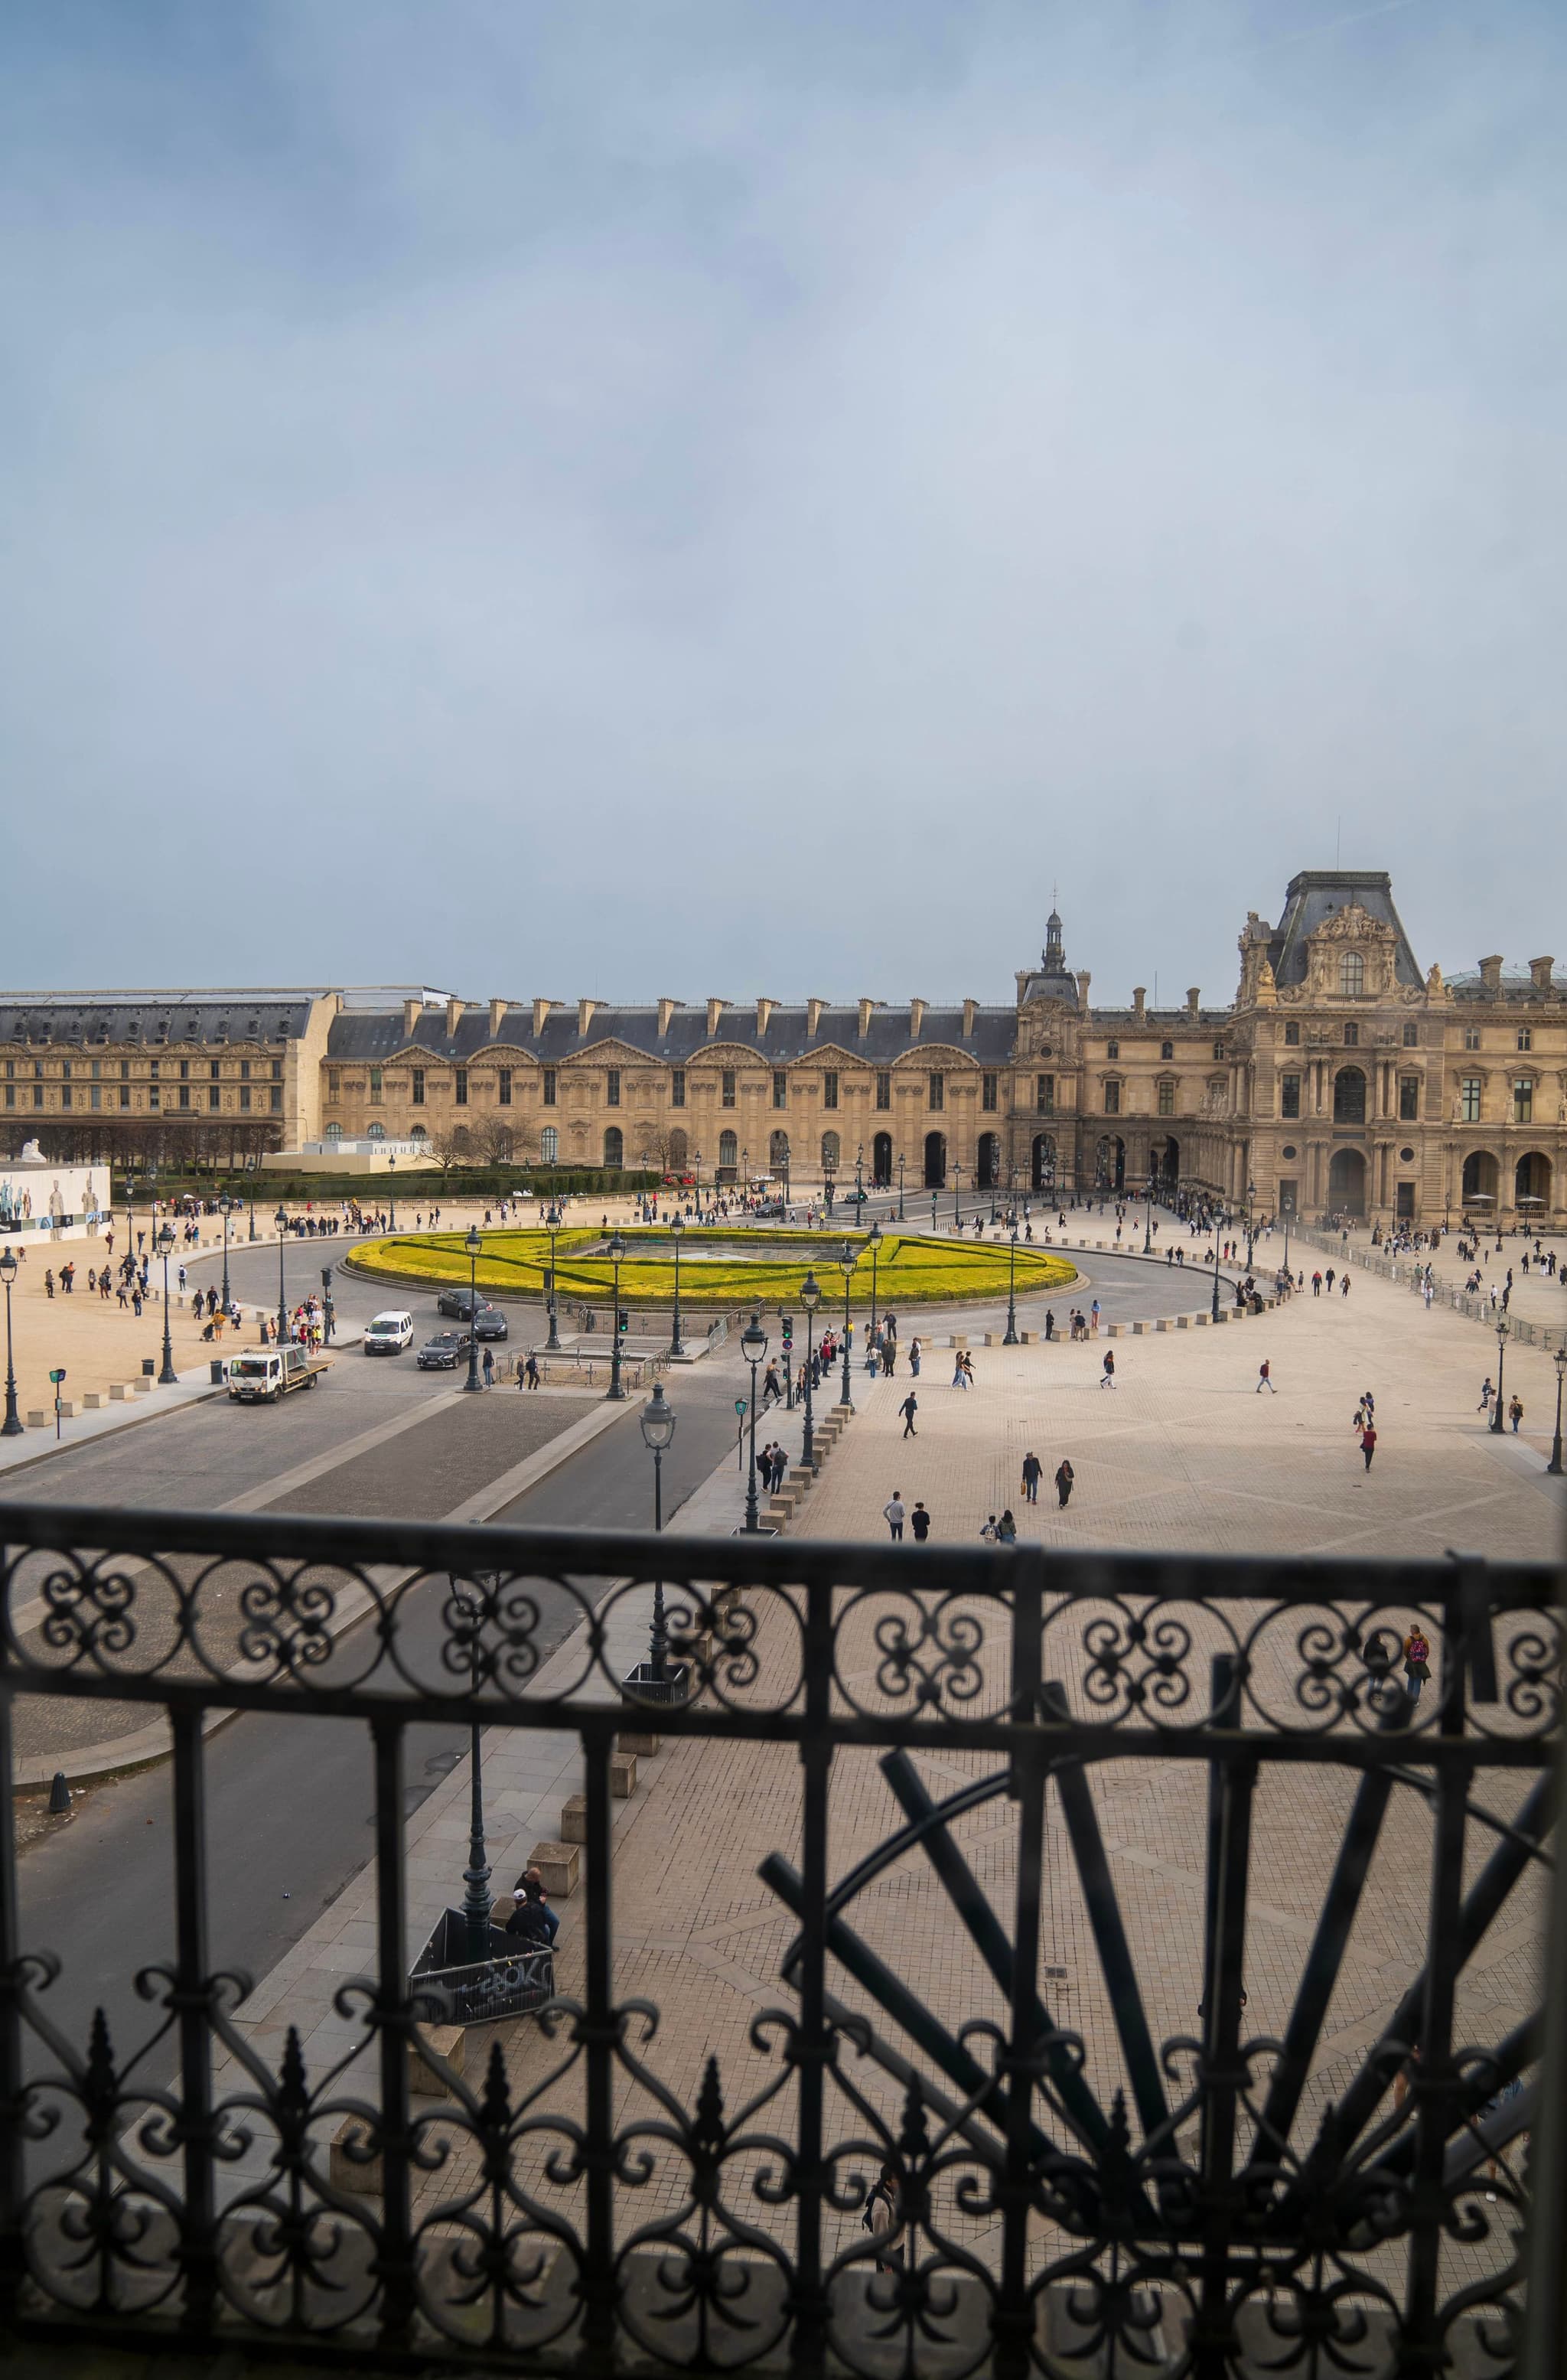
488 1323
388 1334
444 1351
460 1302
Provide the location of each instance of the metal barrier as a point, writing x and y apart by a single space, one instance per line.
1203 2203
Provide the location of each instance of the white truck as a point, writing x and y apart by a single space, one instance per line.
263 1375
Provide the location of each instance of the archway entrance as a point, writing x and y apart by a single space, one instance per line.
1349 1096
989 1160
1480 1171
1170 1166
1346 1179
1044 1160
1531 1186
1110 1165
881 1160
935 1160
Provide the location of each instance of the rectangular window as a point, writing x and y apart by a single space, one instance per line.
156 1067
1112 1098
938 1090
549 1086
244 1099
184 1095
1470 1037
124 1070
1219 1049
1469 1098
124 1095
1291 1037
277 1070
244 1070
549 1143
11 1070
333 1083
611 1086
462 1088
1288 1095
276 1100
1523 1099
65 1095
728 1087
677 1087
1112 1049
215 1097
1409 1098
38 1095
987 1088
10 1095
1167 1098
1351 1037
1044 1095
375 1086
213 1069
779 1088
1412 1036
66 1068
416 1095
504 1082
883 1090
1525 1038
155 1096
830 1090
185 1070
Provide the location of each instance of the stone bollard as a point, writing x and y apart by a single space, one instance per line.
574 1820
623 1775
559 1865
448 2041
363 2176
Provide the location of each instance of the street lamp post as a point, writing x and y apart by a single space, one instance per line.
1499 1424
810 1298
476 1876
474 1245
859 1181
1009 1338
875 1246
390 1194
900 1189
616 1253
253 1193
281 1219
676 1233
1216 1266
1147 1216
168 1378
553 1225
225 1204
753 1346
12 1425
958 1194
1251 1229
934 1219
658 1429
1553 1467
848 1261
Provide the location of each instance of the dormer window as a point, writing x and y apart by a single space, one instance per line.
1352 974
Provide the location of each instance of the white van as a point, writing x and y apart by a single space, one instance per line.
388 1334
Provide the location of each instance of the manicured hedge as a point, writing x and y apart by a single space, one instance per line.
911 1272
423 1185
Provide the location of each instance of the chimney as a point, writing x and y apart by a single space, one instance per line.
584 1010
666 1010
715 1010
1540 974
1083 981
1140 1003
541 1010
497 1015
970 1010
412 1011
813 1017
1194 993
764 1010
454 1016
915 1018
1490 974
865 1008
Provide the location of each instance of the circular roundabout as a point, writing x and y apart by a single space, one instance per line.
718 1268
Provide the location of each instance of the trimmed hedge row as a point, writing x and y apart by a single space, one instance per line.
424 1185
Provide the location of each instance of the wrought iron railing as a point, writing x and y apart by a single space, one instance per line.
1152 2186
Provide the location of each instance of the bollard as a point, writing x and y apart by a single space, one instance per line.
59 1795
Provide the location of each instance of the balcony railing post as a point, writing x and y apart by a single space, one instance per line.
1014 2315
1231 1785
13 2180
811 2045
395 2264
192 2001
599 2035
1547 2333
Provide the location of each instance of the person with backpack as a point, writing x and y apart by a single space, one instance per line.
1369 1440
1416 1661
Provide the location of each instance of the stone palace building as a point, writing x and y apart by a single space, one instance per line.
1341 1079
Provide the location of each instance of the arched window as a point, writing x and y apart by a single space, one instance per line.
549 1143
829 1152
1167 1050
614 1146
334 1131
778 1153
1352 974
418 1133
728 1151
378 1132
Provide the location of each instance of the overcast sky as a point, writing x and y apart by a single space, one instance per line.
746 498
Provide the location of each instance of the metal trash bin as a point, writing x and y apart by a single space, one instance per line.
217 1371
149 1366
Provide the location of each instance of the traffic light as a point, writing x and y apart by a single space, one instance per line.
787 1322
623 1321
327 1276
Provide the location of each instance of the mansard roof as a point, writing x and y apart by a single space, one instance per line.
1314 896
159 1019
372 1040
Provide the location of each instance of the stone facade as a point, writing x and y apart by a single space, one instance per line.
1340 1079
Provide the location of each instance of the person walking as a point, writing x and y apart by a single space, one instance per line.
894 1512
1065 1480
1515 1412
1416 1661
1032 1470
958 1380
1264 1379
1006 1528
1369 1440
1107 1378
968 1369
1487 1393
914 1351
908 1408
919 1522
489 1369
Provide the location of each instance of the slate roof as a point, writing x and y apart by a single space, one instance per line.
159 1019
1312 898
1516 988
374 1039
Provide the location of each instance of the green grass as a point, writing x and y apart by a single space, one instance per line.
909 1271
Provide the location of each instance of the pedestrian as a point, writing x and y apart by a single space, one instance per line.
883 2219
958 1380
1065 1479
489 1369
908 1408
1006 1528
967 1370
914 1356
919 1522
1343 1286
1487 1393
1369 1440
1264 1379
1328 1277
1032 1468
1107 1380
1416 1661
1515 1414
530 1371
49 1282
894 1513
989 1532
